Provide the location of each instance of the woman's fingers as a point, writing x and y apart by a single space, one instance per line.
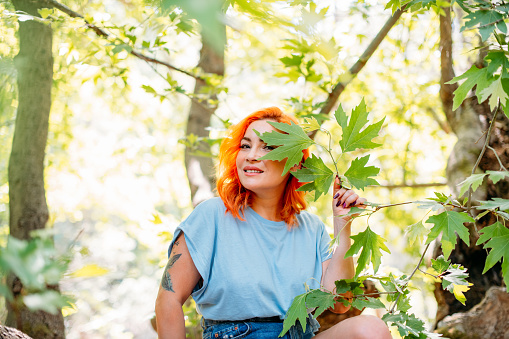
347 198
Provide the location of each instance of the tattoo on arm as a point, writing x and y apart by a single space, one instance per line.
166 281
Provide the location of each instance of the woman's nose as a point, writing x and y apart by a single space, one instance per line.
252 155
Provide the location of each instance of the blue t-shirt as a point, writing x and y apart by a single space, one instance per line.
251 268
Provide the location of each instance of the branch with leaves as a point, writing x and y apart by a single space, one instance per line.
316 176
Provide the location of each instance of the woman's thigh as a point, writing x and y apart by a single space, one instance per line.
359 327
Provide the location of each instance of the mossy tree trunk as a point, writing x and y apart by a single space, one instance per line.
27 200
470 122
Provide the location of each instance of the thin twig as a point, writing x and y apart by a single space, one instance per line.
486 144
410 277
499 161
427 273
102 33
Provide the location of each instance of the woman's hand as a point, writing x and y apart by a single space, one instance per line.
344 199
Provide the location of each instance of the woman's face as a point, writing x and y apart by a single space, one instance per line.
259 176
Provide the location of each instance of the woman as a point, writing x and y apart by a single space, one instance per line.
245 255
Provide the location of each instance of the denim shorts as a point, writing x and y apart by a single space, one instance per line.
256 330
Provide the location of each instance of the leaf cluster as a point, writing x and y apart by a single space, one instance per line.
37 265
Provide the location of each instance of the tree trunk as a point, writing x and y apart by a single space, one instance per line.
469 122
200 169
27 200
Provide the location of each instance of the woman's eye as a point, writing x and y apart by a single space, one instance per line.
270 148
244 146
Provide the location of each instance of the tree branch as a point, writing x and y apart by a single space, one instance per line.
395 186
361 62
102 33
446 68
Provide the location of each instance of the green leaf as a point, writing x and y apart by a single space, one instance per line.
474 77
416 232
345 285
45 12
485 18
499 250
290 145
495 230
496 176
362 302
352 137
496 59
371 244
314 171
454 275
6 292
408 324
502 204
495 91
475 180
48 301
310 125
359 175
293 61
449 223
321 300
353 285
122 47
297 311
440 265
208 14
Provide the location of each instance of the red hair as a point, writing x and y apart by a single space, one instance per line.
235 197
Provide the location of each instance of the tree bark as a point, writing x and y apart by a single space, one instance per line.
200 169
469 122
27 200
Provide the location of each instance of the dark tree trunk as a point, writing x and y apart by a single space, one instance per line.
27 200
469 122
200 169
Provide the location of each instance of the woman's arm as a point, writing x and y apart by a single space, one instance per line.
338 267
179 278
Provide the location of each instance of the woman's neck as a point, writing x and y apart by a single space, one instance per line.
268 207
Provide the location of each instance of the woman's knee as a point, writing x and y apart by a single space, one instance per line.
369 326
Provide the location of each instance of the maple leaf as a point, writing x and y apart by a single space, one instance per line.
318 176
498 236
474 77
502 204
310 125
371 244
352 137
475 180
496 59
495 91
486 18
369 302
449 223
408 324
359 175
440 265
297 311
345 285
458 291
454 275
416 232
494 230
290 145
320 299
496 176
